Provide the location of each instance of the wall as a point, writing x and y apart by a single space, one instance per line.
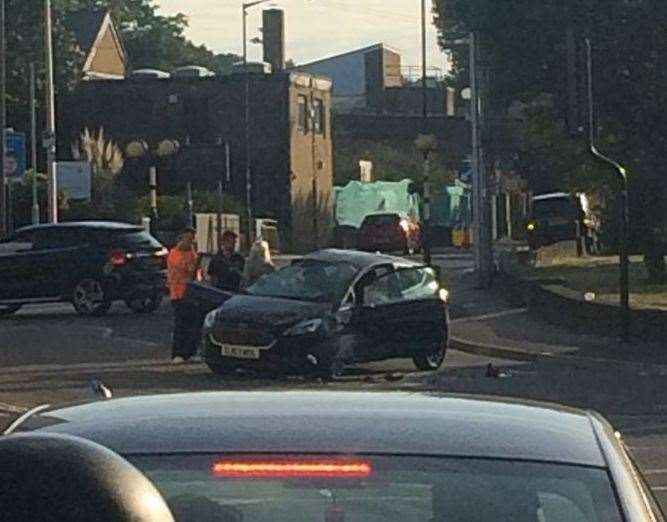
307 149
392 68
346 71
108 57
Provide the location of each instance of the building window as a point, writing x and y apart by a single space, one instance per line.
319 118
303 113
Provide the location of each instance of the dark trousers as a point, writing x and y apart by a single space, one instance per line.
186 333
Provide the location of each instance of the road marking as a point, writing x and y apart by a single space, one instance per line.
655 471
659 488
12 408
49 368
495 315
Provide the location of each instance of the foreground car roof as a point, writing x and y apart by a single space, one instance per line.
396 423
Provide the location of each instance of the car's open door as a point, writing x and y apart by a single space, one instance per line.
402 312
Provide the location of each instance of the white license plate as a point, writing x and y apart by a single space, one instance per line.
239 352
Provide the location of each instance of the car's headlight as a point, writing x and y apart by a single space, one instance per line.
531 226
210 319
306 327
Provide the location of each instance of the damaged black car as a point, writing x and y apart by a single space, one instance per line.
330 309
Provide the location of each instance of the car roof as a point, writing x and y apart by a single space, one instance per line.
97 225
359 259
552 195
333 422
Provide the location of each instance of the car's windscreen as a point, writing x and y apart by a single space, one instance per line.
264 488
308 280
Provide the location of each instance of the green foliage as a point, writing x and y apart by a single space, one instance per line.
525 43
395 162
172 210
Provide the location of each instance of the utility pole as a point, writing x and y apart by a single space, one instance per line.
424 82
50 137
477 201
426 236
246 124
33 144
624 229
3 120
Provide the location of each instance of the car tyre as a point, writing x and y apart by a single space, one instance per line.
90 298
430 362
9 309
144 304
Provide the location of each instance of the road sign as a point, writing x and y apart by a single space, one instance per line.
15 162
74 179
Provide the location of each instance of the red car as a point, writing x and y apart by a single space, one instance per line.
389 232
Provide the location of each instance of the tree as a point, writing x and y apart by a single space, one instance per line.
524 45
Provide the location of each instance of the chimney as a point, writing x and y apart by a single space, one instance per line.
273 35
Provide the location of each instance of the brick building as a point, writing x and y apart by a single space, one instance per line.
290 139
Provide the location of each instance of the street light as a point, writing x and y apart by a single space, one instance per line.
246 103
141 149
482 246
624 260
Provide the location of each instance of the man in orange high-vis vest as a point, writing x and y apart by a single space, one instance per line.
182 267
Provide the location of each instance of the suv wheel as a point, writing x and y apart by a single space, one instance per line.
9 309
145 304
90 298
432 361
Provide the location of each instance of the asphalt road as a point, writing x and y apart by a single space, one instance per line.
49 355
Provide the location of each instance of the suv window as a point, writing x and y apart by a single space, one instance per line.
132 240
57 238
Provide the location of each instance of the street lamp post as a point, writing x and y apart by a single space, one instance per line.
624 258
246 120
481 230
50 136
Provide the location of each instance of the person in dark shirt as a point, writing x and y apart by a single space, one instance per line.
227 266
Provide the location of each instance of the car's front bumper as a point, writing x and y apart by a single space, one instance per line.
282 354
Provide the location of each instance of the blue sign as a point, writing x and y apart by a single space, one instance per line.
15 157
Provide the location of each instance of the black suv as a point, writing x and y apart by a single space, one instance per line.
90 264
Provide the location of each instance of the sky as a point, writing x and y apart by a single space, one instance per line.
314 28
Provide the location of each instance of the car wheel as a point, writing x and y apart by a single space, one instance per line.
90 298
432 361
145 304
9 309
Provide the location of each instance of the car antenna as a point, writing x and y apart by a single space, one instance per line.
24 417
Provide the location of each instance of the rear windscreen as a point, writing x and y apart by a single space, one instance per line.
388 219
134 240
277 488
562 207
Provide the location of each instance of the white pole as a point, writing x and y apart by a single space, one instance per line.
33 137
508 214
50 139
